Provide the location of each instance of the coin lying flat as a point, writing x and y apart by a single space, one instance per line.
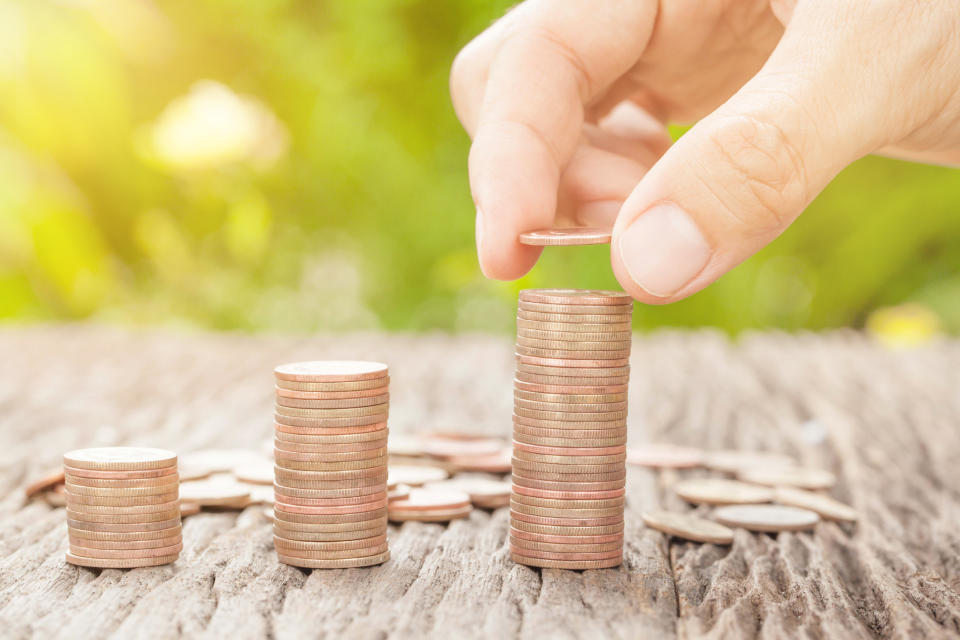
571 236
734 461
317 563
688 527
665 456
770 518
120 563
825 506
120 458
799 477
330 371
215 493
414 476
43 482
720 491
483 492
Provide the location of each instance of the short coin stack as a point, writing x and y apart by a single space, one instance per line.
330 491
569 434
123 507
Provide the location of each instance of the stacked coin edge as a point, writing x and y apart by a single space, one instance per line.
330 488
569 434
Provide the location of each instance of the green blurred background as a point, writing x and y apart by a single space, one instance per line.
296 166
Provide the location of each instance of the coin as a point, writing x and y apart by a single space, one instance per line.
798 477
578 461
568 495
688 527
414 476
431 499
331 545
189 509
570 451
734 461
353 412
573 367
345 394
120 459
327 403
334 501
329 479
566 237
571 432
332 526
575 309
573 326
346 386
571 407
719 491
572 521
330 371
342 430
449 446
571 477
825 506
43 482
559 380
601 357
121 501
132 491
547 485
115 545
560 389
124 537
331 426
569 442
73 525
126 554
379 501
364 456
329 518
573 336
570 398
332 467
525 544
553 555
120 563
768 518
573 318
349 438
134 483
576 345
561 511
569 416
520 534
342 554
566 531
313 563
498 462
484 493
215 493
350 492
323 448
566 564
438 515
665 456
568 503
350 535
520 464
257 473
578 297
171 513
75 472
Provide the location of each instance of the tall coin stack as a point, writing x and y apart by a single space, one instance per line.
123 507
569 428
330 491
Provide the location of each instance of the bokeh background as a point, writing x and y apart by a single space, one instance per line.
296 166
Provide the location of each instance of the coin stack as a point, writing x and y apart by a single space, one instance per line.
330 491
123 507
569 433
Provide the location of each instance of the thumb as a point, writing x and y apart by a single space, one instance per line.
741 176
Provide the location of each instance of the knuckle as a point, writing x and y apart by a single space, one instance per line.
544 40
766 181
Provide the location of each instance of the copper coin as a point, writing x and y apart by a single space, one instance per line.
353 412
121 518
126 510
570 416
120 459
325 387
331 545
768 518
331 395
553 555
215 493
733 461
570 398
333 502
124 537
572 521
798 477
329 457
573 318
572 369
341 554
330 536
399 491
314 563
354 447
122 527
576 296
688 527
718 491
127 554
106 492
189 509
102 483
520 436
431 499
570 407
547 485
563 512
414 476
566 531
572 477
520 454
561 389
351 492
43 482
602 357
606 426
570 451
345 439
564 539
574 326
342 430
120 563
566 564
559 380
447 447
71 472
556 547
480 490
665 456
330 371
445 515
352 465
329 518
568 495
571 337
289 528
498 462
330 426
219 460
568 432
578 346
576 309
825 506
128 544
566 237
122 501
320 511
329 479
568 503
260 473
325 403
565 466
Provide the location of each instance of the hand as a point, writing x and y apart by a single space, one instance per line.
566 102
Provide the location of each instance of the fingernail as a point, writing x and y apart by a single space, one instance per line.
479 236
663 250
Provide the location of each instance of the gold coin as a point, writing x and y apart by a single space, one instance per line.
574 326
122 501
562 512
47 480
120 458
719 491
825 506
574 318
568 564
576 296
688 527
154 543
351 535
570 398
533 378
288 529
576 309
124 537
354 412
121 527
522 543
769 518
555 530
315 563
320 387
330 555
548 503
344 403
90 552
526 456
573 355
121 563
331 371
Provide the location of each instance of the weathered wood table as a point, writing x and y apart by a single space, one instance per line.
885 422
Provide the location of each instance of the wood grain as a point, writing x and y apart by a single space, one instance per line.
885 422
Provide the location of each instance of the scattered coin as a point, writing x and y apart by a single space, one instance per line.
825 506
688 527
734 461
215 493
665 456
566 237
719 491
498 462
44 482
768 518
484 492
414 476
452 445
189 509
799 477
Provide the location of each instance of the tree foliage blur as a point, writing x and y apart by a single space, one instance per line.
296 165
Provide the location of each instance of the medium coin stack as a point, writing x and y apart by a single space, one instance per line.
123 507
569 428
330 484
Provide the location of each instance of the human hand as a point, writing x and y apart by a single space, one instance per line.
567 100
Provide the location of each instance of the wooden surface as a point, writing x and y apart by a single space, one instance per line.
885 422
